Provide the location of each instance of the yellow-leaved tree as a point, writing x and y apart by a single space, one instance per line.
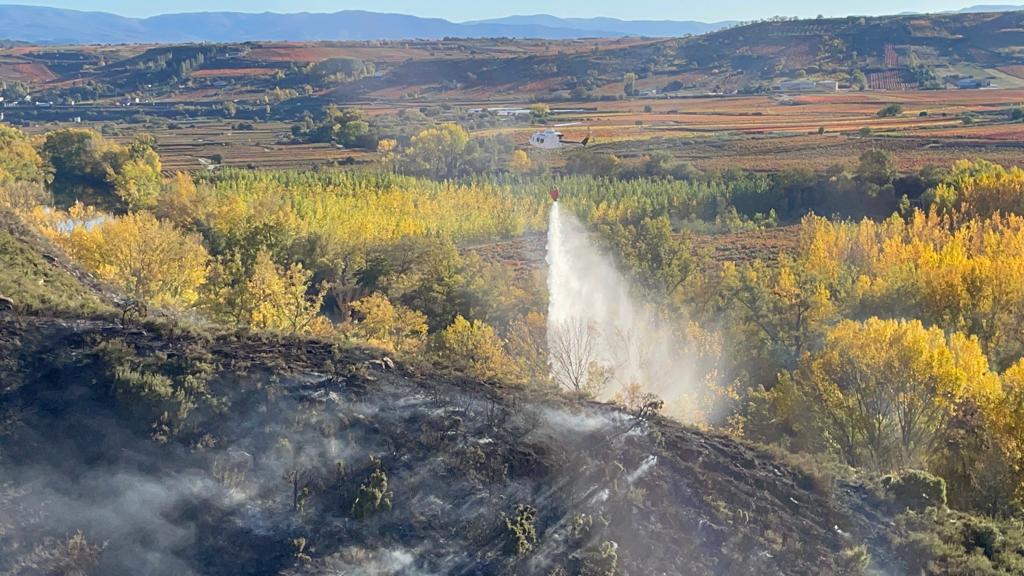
150 259
519 162
19 160
279 299
437 152
137 178
886 389
475 348
981 188
390 326
180 201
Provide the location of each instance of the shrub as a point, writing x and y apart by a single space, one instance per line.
522 529
915 489
601 561
890 111
374 495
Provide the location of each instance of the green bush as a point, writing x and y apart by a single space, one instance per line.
915 489
890 111
953 543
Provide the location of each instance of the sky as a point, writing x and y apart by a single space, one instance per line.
462 10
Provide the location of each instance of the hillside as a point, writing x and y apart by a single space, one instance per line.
253 453
160 447
894 53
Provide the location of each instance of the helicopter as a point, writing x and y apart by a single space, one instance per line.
550 139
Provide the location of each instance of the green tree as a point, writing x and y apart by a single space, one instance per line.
437 152
587 161
77 154
876 167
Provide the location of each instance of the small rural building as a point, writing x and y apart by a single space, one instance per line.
971 82
797 86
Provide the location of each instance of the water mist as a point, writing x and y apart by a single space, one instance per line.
594 320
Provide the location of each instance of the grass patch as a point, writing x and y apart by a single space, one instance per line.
36 285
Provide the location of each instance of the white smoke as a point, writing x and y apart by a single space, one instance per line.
621 335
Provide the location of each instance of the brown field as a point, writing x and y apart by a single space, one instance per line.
1017 70
181 149
759 133
24 71
753 133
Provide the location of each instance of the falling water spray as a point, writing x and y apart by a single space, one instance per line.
594 319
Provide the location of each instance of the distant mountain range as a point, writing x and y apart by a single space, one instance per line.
38 24
990 8
60 26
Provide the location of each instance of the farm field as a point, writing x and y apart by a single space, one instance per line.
757 133
181 148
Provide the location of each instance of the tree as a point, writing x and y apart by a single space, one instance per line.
876 167
587 161
137 180
520 162
437 152
148 258
387 148
859 80
230 108
475 348
77 154
1005 423
19 160
527 345
539 111
781 312
980 188
389 326
280 299
886 389
629 84
179 201
574 350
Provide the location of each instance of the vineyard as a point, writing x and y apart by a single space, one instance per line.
889 80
